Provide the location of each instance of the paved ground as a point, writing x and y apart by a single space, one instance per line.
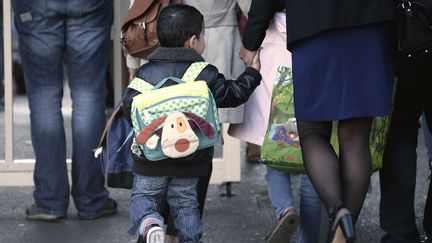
243 218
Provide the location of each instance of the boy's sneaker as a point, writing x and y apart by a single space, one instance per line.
285 227
155 235
109 209
33 213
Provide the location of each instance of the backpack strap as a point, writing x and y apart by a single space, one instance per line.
193 71
140 85
190 75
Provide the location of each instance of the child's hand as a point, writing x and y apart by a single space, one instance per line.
247 56
256 61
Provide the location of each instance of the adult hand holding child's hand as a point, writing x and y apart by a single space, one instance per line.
256 61
247 55
250 58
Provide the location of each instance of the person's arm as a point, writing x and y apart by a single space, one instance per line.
260 14
231 93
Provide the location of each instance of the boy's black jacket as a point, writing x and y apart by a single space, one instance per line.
167 62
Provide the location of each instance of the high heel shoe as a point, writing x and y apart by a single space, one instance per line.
344 219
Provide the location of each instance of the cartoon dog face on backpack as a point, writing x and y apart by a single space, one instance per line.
177 135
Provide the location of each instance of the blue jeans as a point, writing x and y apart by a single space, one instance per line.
52 35
427 137
181 194
398 174
281 196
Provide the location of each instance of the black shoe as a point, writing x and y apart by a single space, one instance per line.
344 219
32 212
109 209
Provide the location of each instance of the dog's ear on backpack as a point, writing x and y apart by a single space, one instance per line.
149 130
205 127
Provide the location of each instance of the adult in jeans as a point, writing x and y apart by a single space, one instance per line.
398 174
53 35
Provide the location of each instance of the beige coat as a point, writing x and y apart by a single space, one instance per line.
223 43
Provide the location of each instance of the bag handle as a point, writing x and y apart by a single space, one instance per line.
190 75
163 81
117 113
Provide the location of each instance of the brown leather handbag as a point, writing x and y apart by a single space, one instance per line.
138 32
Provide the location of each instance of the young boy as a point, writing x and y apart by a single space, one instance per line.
180 30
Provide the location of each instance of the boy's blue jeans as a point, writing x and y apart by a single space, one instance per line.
52 35
181 195
281 196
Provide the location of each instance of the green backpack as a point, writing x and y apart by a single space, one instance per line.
173 121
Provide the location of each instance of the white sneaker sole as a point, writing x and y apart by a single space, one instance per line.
155 235
284 229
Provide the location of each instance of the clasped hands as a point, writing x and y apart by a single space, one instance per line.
250 58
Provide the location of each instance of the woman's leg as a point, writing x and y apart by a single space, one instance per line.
321 162
355 161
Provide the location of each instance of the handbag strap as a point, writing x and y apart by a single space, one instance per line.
118 112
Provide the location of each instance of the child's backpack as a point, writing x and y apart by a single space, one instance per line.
138 32
114 151
174 121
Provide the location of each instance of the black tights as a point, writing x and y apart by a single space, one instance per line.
340 181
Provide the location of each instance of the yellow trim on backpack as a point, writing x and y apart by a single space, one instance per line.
189 89
140 85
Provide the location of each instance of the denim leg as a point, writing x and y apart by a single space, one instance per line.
41 43
427 137
397 179
427 216
48 32
87 59
310 212
183 202
280 192
147 194
398 174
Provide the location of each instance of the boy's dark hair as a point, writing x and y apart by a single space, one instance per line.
177 23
